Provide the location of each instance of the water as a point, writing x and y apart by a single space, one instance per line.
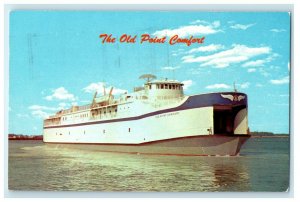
263 165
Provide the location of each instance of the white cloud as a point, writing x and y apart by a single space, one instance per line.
43 112
254 63
39 107
218 86
185 31
251 70
238 53
170 68
62 105
187 84
93 87
199 22
263 72
260 62
74 104
99 87
244 85
209 48
284 80
277 30
60 94
40 114
23 115
259 85
240 26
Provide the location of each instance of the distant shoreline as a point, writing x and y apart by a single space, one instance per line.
25 137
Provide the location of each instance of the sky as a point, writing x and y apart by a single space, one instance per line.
56 60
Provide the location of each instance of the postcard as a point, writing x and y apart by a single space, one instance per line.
149 101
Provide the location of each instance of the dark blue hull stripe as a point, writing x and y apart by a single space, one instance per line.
192 102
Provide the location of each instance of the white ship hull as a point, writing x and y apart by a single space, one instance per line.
192 127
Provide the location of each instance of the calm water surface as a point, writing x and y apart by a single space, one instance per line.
263 165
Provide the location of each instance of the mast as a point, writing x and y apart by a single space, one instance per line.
147 77
104 92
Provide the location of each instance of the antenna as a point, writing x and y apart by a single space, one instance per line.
95 95
234 88
104 92
148 77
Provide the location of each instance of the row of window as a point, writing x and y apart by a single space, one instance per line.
167 86
76 116
100 111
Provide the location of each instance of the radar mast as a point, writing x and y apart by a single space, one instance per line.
147 77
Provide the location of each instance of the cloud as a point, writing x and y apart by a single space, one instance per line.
260 62
38 111
244 85
23 115
40 114
209 48
170 68
251 70
259 85
277 30
185 31
284 80
93 87
254 63
60 94
99 87
218 86
74 104
199 22
62 105
187 84
240 26
263 72
238 53
39 107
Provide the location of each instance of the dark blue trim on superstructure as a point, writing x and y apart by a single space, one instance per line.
194 101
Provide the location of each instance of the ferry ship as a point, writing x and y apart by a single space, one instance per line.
156 118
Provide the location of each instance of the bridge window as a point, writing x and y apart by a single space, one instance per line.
162 86
173 86
166 86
